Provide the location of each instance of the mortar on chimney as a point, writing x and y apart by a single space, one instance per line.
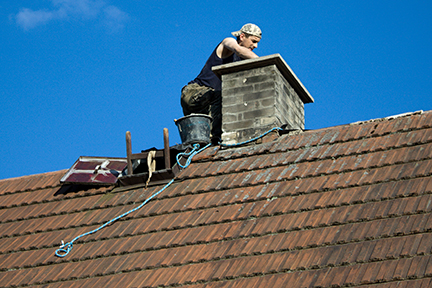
260 94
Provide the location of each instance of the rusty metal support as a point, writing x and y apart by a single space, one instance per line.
166 149
129 152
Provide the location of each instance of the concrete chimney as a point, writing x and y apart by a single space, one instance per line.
260 94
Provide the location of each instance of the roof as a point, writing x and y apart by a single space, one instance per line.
341 206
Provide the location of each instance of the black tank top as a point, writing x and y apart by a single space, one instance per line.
207 77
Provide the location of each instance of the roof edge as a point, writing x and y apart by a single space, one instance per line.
388 117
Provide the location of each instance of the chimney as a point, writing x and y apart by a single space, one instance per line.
260 94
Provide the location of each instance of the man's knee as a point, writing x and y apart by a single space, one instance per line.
196 98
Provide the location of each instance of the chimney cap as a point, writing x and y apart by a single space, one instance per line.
274 59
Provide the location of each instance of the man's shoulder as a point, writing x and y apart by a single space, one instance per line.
228 41
226 48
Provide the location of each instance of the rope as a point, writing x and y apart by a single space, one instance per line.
251 140
190 154
66 248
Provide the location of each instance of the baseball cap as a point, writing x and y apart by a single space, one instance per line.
250 29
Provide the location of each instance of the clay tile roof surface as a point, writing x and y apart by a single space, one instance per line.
343 206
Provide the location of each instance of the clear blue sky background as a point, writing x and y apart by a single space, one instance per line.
75 75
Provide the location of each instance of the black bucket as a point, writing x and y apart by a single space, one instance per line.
194 128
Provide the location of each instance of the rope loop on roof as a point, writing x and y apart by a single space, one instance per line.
251 140
66 248
196 150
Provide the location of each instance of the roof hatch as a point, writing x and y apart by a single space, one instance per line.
151 166
95 170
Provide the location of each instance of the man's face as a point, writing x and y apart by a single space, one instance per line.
250 42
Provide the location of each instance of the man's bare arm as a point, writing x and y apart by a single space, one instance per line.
232 45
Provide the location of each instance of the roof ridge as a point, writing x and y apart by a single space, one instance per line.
407 114
31 182
43 174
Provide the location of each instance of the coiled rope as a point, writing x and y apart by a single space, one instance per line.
65 248
196 150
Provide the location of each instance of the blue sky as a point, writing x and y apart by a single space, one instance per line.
75 75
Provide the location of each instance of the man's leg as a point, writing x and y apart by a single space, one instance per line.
204 100
196 99
216 114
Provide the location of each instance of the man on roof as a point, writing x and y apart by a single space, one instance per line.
203 94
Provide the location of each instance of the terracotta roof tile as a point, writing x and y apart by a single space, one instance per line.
402 268
428 270
418 267
386 271
422 283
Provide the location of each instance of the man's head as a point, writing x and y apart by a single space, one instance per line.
248 36
250 29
